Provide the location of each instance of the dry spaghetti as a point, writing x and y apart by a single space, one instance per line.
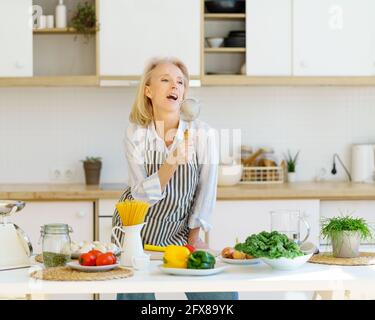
132 212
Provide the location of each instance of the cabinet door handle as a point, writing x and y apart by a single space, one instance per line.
81 214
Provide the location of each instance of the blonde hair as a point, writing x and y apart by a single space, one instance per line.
141 112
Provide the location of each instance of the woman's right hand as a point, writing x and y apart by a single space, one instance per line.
179 155
182 154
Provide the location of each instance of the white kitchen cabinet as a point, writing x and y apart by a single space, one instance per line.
334 38
359 208
107 207
234 220
133 31
77 214
106 210
16 38
105 229
269 37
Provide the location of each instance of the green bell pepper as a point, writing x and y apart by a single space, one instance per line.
201 260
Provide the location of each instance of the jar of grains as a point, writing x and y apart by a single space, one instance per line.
56 244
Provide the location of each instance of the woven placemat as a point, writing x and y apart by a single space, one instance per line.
364 259
68 274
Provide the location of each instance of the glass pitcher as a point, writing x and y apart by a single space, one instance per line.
289 223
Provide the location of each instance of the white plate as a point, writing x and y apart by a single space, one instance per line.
192 272
241 261
75 265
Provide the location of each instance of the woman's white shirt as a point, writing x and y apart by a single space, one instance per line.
139 139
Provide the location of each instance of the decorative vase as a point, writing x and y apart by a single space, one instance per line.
92 172
292 176
345 244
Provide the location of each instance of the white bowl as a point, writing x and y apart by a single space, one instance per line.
287 263
229 175
215 42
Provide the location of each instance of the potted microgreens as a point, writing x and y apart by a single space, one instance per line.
84 20
291 162
92 166
345 234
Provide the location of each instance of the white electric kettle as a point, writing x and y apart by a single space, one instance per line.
16 247
363 163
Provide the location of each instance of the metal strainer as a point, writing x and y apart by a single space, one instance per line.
190 109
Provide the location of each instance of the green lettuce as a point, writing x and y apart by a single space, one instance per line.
271 245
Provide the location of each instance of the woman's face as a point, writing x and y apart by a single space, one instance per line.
166 89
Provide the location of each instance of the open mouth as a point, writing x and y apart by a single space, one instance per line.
172 97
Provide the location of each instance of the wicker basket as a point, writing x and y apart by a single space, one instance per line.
255 175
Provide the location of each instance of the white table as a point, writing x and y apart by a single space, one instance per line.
310 277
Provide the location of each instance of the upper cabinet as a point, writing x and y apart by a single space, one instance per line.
269 37
16 38
334 37
133 31
262 42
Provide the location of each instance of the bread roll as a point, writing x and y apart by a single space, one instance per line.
251 160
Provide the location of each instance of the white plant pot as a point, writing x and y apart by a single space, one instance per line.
292 176
345 244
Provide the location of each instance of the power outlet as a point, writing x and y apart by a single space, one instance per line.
55 174
68 174
62 174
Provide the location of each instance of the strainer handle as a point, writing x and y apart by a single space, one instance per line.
307 229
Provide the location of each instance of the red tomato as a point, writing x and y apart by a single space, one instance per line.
191 248
95 252
106 259
110 254
87 259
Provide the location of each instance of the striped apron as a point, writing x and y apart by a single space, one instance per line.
167 220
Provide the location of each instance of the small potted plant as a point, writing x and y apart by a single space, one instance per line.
92 166
84 20
291 162
345 234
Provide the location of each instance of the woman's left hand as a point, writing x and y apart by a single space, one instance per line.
194 239
198 243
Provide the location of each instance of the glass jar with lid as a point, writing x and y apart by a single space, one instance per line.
56 244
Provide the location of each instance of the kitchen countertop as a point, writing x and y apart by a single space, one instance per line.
297 190
260 277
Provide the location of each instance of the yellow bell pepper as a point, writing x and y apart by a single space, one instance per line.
176 257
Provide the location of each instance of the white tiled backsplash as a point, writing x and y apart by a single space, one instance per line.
44 129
